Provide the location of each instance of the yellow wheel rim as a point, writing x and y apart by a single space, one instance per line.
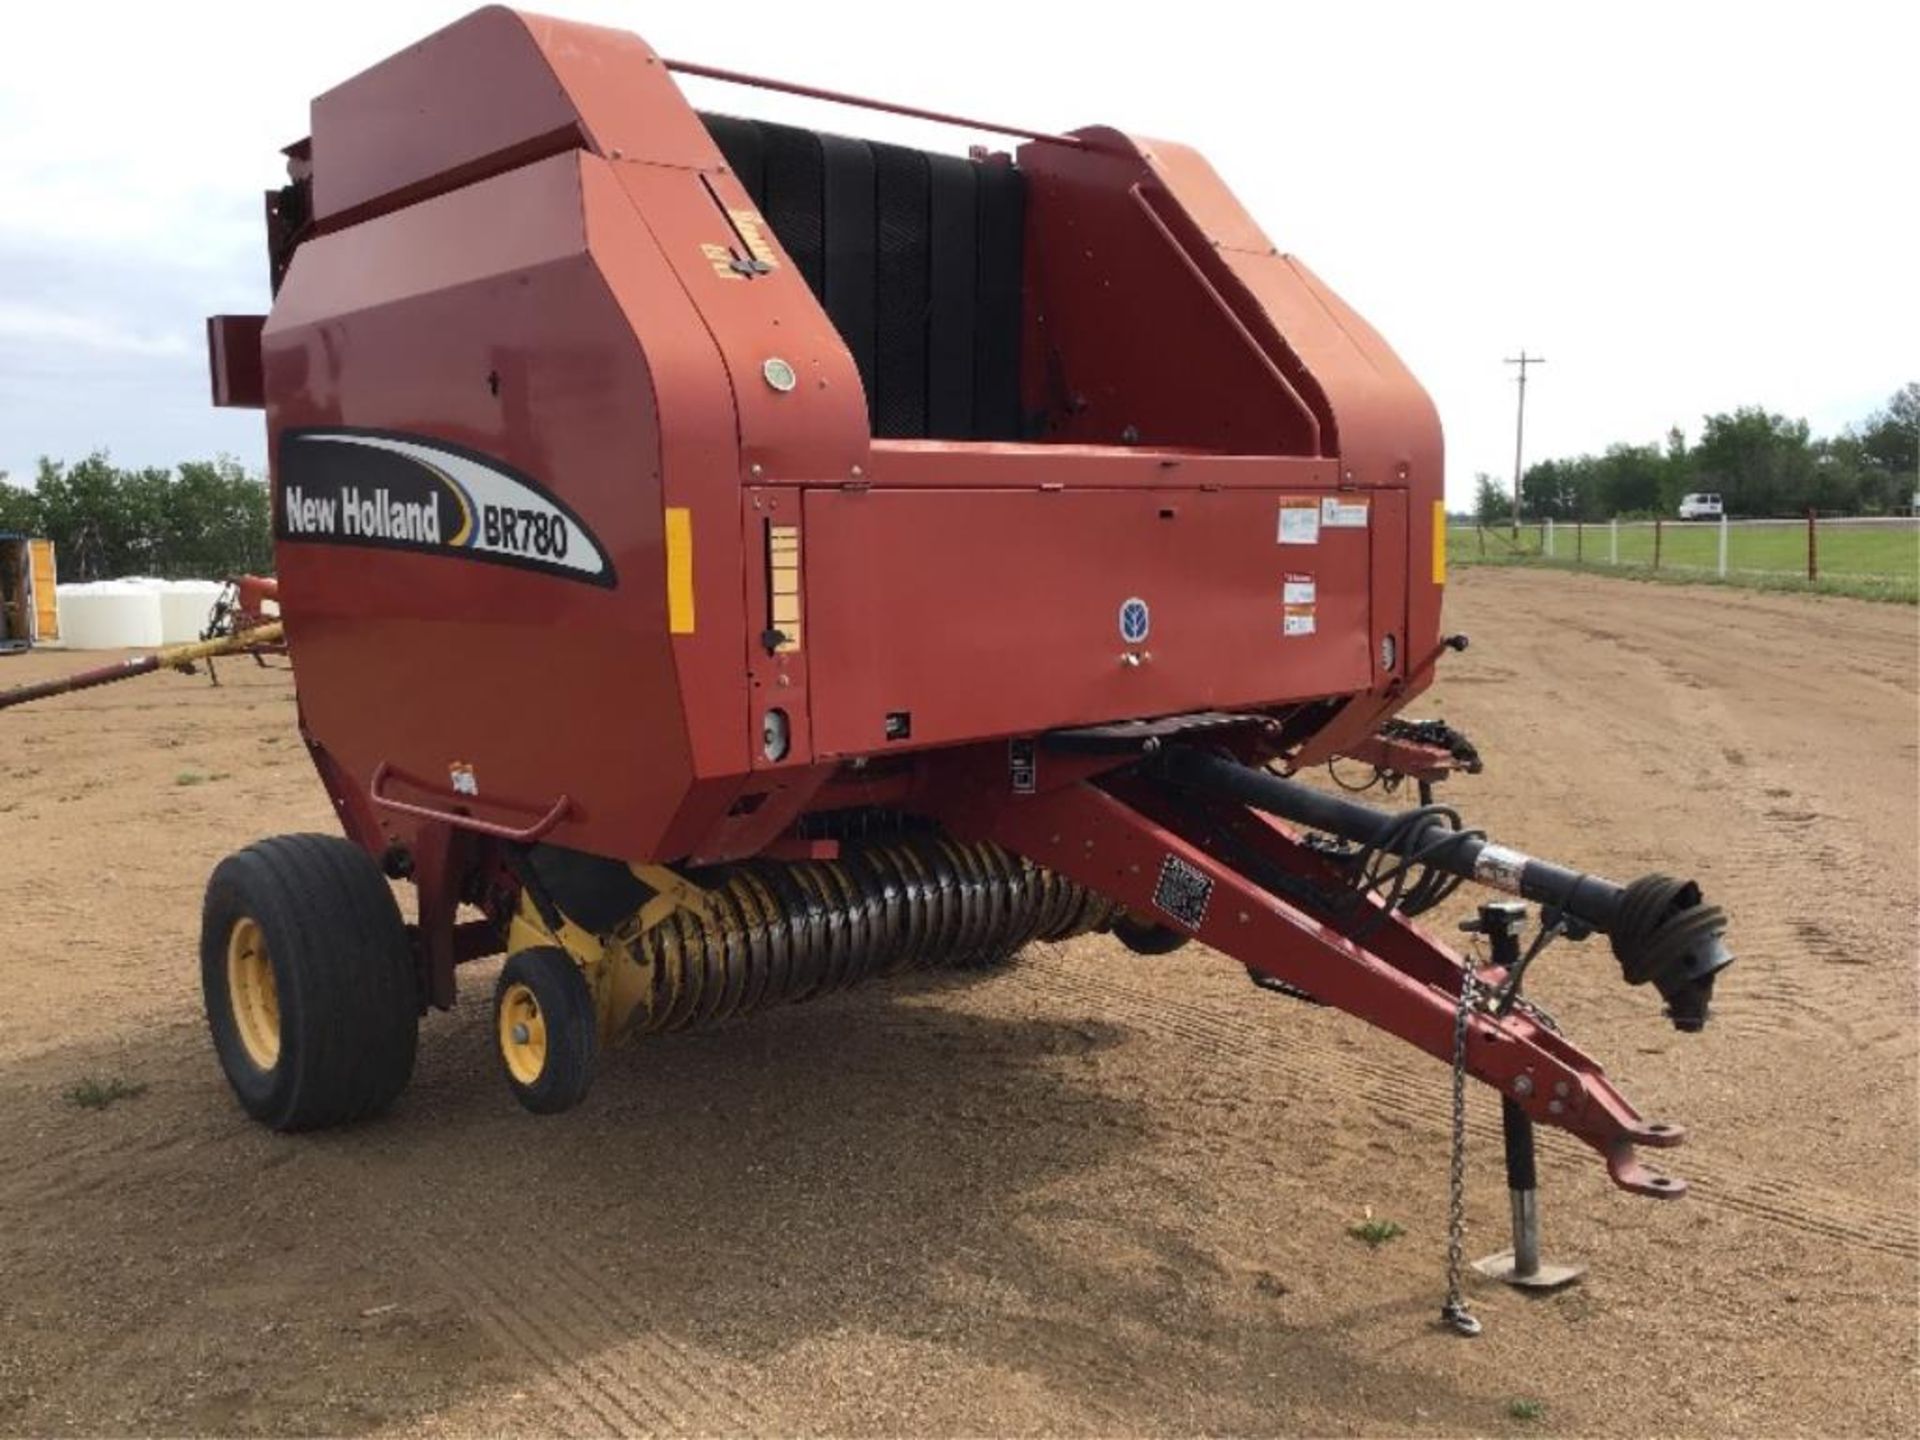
523 1034
251 993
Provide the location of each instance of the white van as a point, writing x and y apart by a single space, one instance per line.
1700 507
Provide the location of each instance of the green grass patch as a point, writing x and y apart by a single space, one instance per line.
1867 562
1374 1233
1526 1410
93 1093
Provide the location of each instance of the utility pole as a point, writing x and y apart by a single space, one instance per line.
1520 427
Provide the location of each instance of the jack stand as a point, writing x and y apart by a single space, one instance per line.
1521 1266
1500 922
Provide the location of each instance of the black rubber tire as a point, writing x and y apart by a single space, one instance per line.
572 1028
1143 937
343 973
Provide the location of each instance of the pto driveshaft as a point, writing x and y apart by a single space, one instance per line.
1660 928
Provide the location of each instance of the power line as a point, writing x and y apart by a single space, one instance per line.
1520 426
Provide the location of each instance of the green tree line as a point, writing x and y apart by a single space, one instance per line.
1759 464
204 518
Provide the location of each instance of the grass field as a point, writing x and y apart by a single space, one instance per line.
1873 559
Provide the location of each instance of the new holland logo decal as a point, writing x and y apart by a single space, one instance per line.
387 491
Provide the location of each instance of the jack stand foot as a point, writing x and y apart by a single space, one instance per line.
1544 1277
1521 1266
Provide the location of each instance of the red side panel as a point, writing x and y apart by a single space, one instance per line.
480 319
982 613
1388 430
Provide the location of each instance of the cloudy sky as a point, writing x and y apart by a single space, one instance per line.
1685 206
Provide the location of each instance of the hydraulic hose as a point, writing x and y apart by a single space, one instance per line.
1661 930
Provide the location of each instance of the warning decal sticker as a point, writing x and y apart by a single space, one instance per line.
1297 595
1343 514
1299 522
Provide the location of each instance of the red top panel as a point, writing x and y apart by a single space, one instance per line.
447 104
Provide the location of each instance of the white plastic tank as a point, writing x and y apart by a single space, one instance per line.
185 606
110 615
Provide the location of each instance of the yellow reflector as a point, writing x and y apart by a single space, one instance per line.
679 570
1439 542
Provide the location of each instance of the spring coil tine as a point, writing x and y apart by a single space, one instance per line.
867 874
840 951
976 914
662 955
788 979
906 909
703 980
943 917
778 933
732 903
1089 914
1052 889
879 910
646 952
722 1000
765 921
860 940
813 927
843 949
973 905
909 931
734 909
993 900
725 942
874 925
867 912
1034 888
1066 905
965 908
801 929
1000 898
1073 907
706 980
1035 883
677 972
1023 889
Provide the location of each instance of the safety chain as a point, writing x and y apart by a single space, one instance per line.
1538 1013
1454 1314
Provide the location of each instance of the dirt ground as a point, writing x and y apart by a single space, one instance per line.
1092 1193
